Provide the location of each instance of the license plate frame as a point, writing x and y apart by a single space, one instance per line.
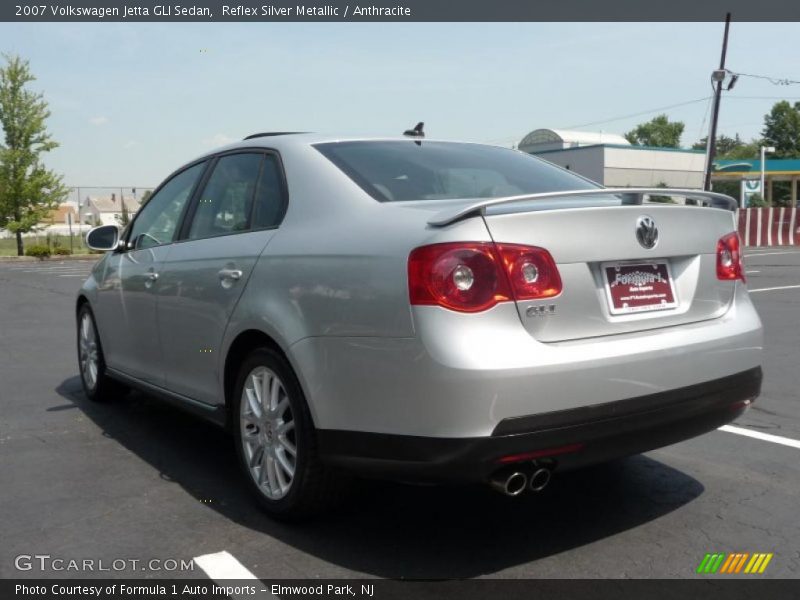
642 278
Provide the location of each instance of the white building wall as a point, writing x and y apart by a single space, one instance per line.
584 161
632 167
647 167
109 218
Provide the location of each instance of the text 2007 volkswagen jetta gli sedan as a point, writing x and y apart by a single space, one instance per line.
420 310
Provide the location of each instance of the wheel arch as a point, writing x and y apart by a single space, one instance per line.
243 344
79 302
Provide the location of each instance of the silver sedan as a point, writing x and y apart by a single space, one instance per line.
420 310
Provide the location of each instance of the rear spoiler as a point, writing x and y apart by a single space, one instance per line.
629 196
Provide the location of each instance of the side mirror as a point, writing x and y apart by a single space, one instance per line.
105 238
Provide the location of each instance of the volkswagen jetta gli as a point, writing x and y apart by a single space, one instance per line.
420 310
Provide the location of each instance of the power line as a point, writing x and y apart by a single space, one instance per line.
772 80
639 114
705 118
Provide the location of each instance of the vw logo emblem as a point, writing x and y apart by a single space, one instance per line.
646 232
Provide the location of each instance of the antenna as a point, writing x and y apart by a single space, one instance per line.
417 132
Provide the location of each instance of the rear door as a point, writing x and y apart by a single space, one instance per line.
231 221
615 278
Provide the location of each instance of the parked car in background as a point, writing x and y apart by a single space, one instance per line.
425 311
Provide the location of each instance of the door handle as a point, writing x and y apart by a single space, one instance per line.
234 274
150 278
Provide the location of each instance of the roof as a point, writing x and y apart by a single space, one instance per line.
111 204
564 136
775 166
59 214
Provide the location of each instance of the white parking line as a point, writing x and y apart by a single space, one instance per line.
39 269
775 439
56 271
751 272
223 566
771 253
59 272
770 289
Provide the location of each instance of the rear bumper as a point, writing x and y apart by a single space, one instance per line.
565 439
463 374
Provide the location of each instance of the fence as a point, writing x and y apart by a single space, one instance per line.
769 226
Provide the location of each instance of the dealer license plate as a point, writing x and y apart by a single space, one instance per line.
639 287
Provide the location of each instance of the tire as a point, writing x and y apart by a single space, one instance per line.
277 447
97 385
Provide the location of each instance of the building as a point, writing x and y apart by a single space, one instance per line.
105 210
612 161
540 140
62 216
747 173
58 221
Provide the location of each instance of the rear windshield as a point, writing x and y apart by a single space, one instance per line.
393 171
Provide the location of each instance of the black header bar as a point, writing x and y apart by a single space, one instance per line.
399 10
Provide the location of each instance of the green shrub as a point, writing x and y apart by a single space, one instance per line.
62 251
40 252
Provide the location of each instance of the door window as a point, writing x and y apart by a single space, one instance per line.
159 218
227 199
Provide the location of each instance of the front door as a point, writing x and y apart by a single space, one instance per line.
127 293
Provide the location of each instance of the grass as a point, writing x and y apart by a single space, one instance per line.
8 246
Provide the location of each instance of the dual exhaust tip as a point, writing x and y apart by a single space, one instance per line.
512 482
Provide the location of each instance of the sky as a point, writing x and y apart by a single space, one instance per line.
131 102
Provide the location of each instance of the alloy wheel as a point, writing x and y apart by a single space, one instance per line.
268 433
88 352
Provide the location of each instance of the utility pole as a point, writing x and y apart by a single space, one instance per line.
718 76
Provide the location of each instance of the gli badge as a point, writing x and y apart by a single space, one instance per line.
646 232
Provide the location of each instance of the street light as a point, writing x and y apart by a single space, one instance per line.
764 150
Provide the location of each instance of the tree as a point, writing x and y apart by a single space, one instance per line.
124 218
750 149
28 191
729 188
659 131
731 147
782 129
662 199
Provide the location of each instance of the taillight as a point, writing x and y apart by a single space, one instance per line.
475 276
730 265
460 276
531 270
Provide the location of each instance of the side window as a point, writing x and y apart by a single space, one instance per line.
227 199
159 217
268 208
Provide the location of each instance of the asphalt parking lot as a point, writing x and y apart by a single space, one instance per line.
138 480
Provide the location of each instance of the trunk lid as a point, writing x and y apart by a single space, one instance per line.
612 283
